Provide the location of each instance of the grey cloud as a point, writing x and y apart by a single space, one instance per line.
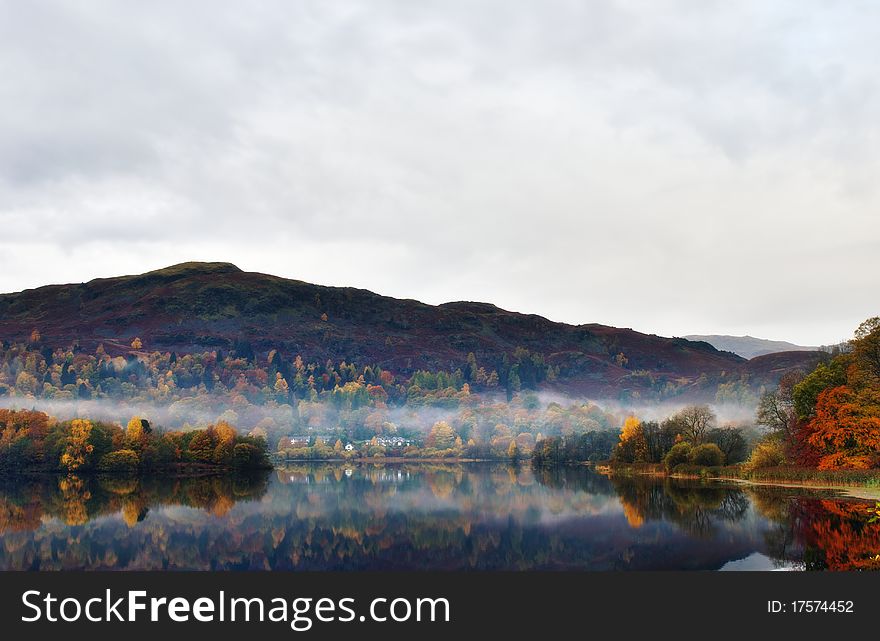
640 164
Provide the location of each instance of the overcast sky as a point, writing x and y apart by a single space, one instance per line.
676 167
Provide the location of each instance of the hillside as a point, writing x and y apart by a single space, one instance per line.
749 346
195 307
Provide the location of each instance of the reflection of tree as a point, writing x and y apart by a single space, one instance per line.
695 507
16 517
133 512
846 540
76 500
827 534
823 533
777 507
578 478
74 496
361 516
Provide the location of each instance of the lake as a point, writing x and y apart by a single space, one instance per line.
427 516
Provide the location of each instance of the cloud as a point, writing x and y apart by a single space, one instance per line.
675 166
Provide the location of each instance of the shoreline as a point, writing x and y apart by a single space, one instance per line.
852 491
863 492
394 459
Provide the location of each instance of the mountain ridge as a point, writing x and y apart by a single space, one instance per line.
196 306
749 346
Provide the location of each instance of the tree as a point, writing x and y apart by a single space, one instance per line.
441 436
201 447
866 328
707 454
246 456
768 453
806 392
137 343
282 391
731 442
513 451
846 429
125 461
678 454
78 448
633 447
223 452
513 382
695 421
224 432
776 408
137 430
866 347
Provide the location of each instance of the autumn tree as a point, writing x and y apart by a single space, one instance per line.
201 447
846 428
137 430
224 432
844 418
137 343
77 448
282 390
632 447
441 436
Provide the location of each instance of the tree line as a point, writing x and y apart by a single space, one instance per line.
33 441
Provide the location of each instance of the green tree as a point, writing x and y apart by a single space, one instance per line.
678 454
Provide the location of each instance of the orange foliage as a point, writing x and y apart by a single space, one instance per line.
845 429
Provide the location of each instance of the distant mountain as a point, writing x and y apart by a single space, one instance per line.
207 306
749 346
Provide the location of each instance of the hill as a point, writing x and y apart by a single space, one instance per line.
749 346
194 307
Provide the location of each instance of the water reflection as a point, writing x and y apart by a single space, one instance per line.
426 516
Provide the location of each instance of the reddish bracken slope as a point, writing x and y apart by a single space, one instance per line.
201 306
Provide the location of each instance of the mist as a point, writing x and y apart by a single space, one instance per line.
319 418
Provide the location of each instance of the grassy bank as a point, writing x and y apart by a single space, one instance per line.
803 476
782 475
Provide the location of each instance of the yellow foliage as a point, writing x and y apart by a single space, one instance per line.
135 429
78 447
225 432
630 428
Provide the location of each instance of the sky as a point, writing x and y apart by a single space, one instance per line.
672 166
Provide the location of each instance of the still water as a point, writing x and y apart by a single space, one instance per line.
427 516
